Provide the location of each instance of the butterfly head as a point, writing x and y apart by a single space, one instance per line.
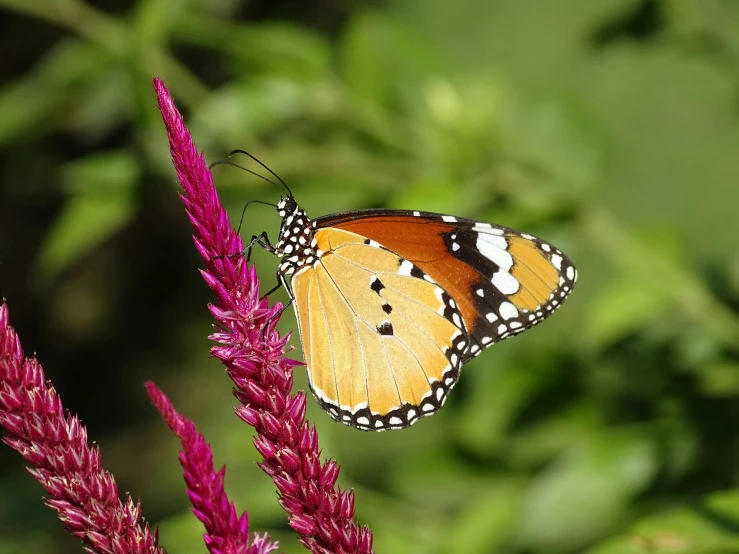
287 206
296 242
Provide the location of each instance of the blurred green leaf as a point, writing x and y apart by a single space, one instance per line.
711 526
104 174
85 222
32 104
282 49
485 522
720 379
557 138
623 306
383 61
37 543
586 491
496 395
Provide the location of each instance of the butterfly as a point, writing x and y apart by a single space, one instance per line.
391 303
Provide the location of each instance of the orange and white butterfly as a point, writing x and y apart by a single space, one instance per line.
391 303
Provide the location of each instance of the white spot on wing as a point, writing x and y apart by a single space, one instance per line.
505 282
570 273
487 230
557 261
508 310
495 252
449 218
405 268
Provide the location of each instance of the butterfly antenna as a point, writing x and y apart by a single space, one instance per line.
289 192
229 162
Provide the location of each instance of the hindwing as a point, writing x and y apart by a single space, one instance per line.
383 341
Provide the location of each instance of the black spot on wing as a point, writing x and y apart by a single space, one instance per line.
387 308
385 328
376 285
417 272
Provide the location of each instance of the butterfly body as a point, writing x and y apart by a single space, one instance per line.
391 303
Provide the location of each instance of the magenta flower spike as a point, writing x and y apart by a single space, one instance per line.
254 357
225 531
54 445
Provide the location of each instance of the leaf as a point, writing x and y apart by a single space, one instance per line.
486 519
494 399
623 306
710 526
31 104
556 137
382 59
102 174
282 49
243 110
433 196
102 202
586 491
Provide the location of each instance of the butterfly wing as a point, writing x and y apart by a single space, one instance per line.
383 342
503 281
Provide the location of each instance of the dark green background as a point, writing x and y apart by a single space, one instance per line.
608 127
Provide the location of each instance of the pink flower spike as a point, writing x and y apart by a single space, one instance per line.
253 353
55 446
225 532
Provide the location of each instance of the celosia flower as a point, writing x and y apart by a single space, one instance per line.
54 445
225 531
254 357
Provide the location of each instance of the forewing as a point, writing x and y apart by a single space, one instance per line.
502 280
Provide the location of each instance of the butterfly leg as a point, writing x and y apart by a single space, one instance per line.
262 240
275 288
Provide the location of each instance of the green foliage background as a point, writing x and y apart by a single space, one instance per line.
609 127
